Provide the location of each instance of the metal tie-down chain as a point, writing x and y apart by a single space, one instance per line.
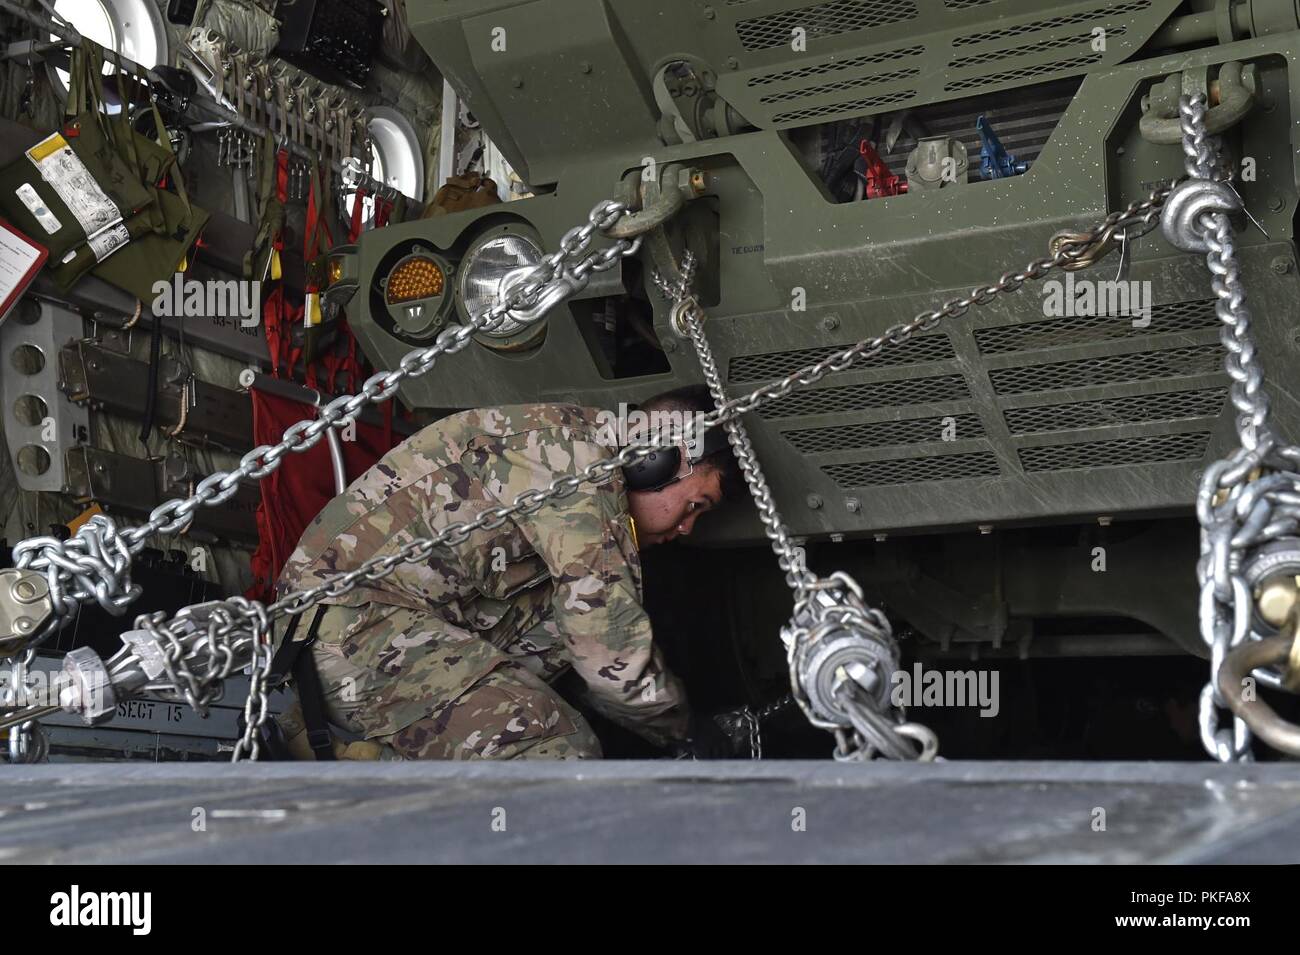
188 656
27 741
830 613
687 320
1248 504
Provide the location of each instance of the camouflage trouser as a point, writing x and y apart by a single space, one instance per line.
397 678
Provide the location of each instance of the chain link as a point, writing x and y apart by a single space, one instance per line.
689 316
745 723
1252 497
27 741
257 704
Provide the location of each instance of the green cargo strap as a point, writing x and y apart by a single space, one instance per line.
174 168
270 216
120 122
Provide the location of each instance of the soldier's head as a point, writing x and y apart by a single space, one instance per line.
706 472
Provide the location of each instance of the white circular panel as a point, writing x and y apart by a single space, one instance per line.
132 28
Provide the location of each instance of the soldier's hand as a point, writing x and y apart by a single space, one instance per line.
708 740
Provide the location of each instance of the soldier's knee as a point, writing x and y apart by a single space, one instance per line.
582 743
506 715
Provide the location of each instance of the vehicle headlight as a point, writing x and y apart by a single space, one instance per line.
415 277
485 267
336 275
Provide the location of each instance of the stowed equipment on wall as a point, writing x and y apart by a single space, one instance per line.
94 193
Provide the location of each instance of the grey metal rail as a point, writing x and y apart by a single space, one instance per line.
217 109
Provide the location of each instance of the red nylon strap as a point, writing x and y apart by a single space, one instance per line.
310 241
282 176
278 319
316 227
271 322
354 364
383 209
358 202
331 362
344 360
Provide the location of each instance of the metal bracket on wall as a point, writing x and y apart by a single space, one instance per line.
195 412
1232 94
138 485
40 424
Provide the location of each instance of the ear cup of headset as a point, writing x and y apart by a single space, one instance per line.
653 471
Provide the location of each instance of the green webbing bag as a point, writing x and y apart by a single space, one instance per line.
157 253
74 191
89 192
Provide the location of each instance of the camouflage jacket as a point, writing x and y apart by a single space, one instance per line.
581 546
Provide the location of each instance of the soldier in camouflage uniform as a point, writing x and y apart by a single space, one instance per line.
452 658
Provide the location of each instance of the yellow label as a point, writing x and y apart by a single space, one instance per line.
276 274
46 147
75 524
311 309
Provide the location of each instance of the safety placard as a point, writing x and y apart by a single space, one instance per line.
68 176
107 241
20 260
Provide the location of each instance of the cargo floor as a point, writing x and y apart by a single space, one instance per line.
657 811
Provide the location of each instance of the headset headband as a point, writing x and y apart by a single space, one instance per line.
659 469
711 441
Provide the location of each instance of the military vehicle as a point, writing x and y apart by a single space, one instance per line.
1017 483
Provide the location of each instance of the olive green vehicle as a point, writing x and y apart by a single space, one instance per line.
1018 482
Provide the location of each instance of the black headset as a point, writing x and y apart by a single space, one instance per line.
659 468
